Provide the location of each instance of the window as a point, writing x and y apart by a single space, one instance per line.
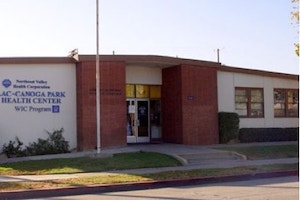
249 102
286 103
143 91
155 91
130 91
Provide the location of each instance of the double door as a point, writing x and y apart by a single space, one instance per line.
138 121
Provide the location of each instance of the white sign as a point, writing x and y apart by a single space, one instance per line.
31 96
131 109
35 98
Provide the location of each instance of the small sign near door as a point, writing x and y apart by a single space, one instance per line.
131 109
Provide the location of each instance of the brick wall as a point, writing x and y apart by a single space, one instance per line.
113 108
199 105
189 105
172 105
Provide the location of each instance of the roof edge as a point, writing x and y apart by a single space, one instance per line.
36 60
258 72
149 59
167 60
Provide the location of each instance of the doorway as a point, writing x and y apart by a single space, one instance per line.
138 129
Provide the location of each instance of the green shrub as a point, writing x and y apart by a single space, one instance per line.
13 148
54 144
228 126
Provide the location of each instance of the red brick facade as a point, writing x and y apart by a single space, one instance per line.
189 102
189 105
172 105
113 108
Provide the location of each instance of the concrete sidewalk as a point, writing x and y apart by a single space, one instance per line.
193 157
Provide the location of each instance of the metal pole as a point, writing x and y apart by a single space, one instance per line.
98 80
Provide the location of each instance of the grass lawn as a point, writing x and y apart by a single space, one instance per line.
136 160
127 178
89 164
132 161
266 152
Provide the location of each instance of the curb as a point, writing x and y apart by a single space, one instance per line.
182 160
140 185
238 155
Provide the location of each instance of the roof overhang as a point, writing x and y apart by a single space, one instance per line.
258 72
149 60
36 60
143 60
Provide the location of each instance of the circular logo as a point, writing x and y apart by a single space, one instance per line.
6 83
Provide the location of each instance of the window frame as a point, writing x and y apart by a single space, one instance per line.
285 103
249 104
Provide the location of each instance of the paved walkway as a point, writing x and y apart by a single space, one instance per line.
193 157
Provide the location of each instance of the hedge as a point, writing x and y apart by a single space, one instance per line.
228 126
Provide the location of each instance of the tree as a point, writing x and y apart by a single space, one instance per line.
296 18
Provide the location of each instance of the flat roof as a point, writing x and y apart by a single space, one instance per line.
36 60
166 61
148 60
258 72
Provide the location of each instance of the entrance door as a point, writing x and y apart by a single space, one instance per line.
138 121
155 121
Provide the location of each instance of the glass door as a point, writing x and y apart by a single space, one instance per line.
131 121
138 121
155 121
143 120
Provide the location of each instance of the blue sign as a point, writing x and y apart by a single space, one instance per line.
55 109
6 83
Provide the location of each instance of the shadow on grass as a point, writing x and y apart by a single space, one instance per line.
89 164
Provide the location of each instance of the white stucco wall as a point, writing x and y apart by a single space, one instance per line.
143 75
39 98
227 81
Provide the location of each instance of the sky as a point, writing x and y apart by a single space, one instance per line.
254 34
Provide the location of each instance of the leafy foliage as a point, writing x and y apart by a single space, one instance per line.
228 126
54 144
296 17
13 148
297 49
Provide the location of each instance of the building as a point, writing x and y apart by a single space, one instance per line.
143 99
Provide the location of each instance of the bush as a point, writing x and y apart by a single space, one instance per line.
13 148
228 126
268 134
54 144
